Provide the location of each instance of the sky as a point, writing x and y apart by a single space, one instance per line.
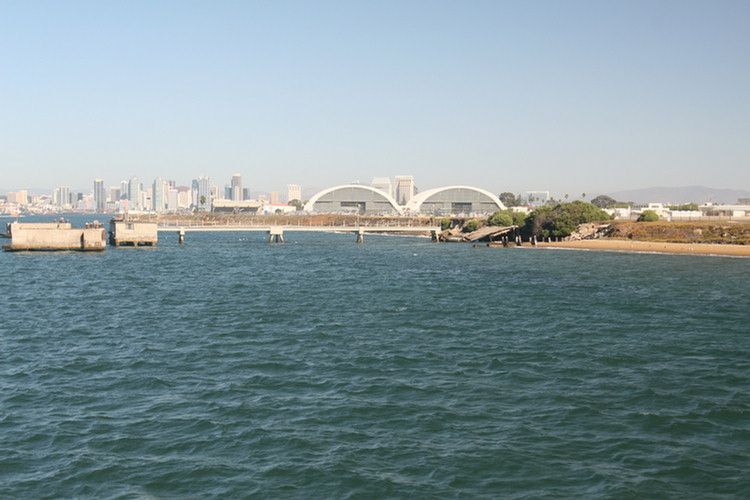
578 96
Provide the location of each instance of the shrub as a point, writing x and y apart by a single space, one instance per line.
648 216
445 224
471 226
501 218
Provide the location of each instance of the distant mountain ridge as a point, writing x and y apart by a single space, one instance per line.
680 195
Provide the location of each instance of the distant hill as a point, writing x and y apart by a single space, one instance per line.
680 195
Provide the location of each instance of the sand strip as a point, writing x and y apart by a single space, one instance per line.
651 246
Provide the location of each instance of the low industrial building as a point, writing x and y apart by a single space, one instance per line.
353 198
455 200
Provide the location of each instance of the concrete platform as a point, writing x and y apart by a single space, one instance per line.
55 236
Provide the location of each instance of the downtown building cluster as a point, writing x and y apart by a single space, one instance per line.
166 196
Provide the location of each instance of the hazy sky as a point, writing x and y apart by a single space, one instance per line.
570 96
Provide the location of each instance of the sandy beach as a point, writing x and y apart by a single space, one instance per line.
650 246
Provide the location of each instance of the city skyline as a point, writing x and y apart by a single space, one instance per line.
563 96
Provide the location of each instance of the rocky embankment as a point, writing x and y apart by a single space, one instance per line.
731 233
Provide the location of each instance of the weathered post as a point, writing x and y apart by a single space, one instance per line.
181 235
360 235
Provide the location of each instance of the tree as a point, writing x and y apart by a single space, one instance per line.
509 199
604 201
519 218
203 199
501 218
562 219
648 216
296 204
445 224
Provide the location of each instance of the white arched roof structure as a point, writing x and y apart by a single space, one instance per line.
365 199
454 200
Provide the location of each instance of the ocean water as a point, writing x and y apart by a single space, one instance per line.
231 368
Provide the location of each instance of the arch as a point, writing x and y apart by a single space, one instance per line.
454 200
364 199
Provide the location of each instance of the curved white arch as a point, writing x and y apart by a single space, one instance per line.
386 197
415 204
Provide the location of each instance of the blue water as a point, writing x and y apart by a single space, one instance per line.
319 369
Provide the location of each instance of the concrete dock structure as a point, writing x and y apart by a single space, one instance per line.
47 236
123 232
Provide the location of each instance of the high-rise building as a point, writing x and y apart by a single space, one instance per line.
204 193
134 193
382 183
172 204
62 196
293 192
124 190
236 187
114 194
404 187
274 197
22 197
158 195
194 193
183 197
100 197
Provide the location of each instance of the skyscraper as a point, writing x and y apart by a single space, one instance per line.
100 197
158 197
204 193
382 183
134 193
293 192
236 187
404 187
63 196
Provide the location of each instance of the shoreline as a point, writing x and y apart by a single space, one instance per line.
652 247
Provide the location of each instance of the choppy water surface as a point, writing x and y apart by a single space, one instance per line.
231 368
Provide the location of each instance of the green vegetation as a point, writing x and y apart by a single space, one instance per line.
687 207
471 226
735 233
501 218
519 218
648 216
509 199
562 219
296 204
604 201
445 224
507 218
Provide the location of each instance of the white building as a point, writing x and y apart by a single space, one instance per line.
293 192
404 188
382 183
